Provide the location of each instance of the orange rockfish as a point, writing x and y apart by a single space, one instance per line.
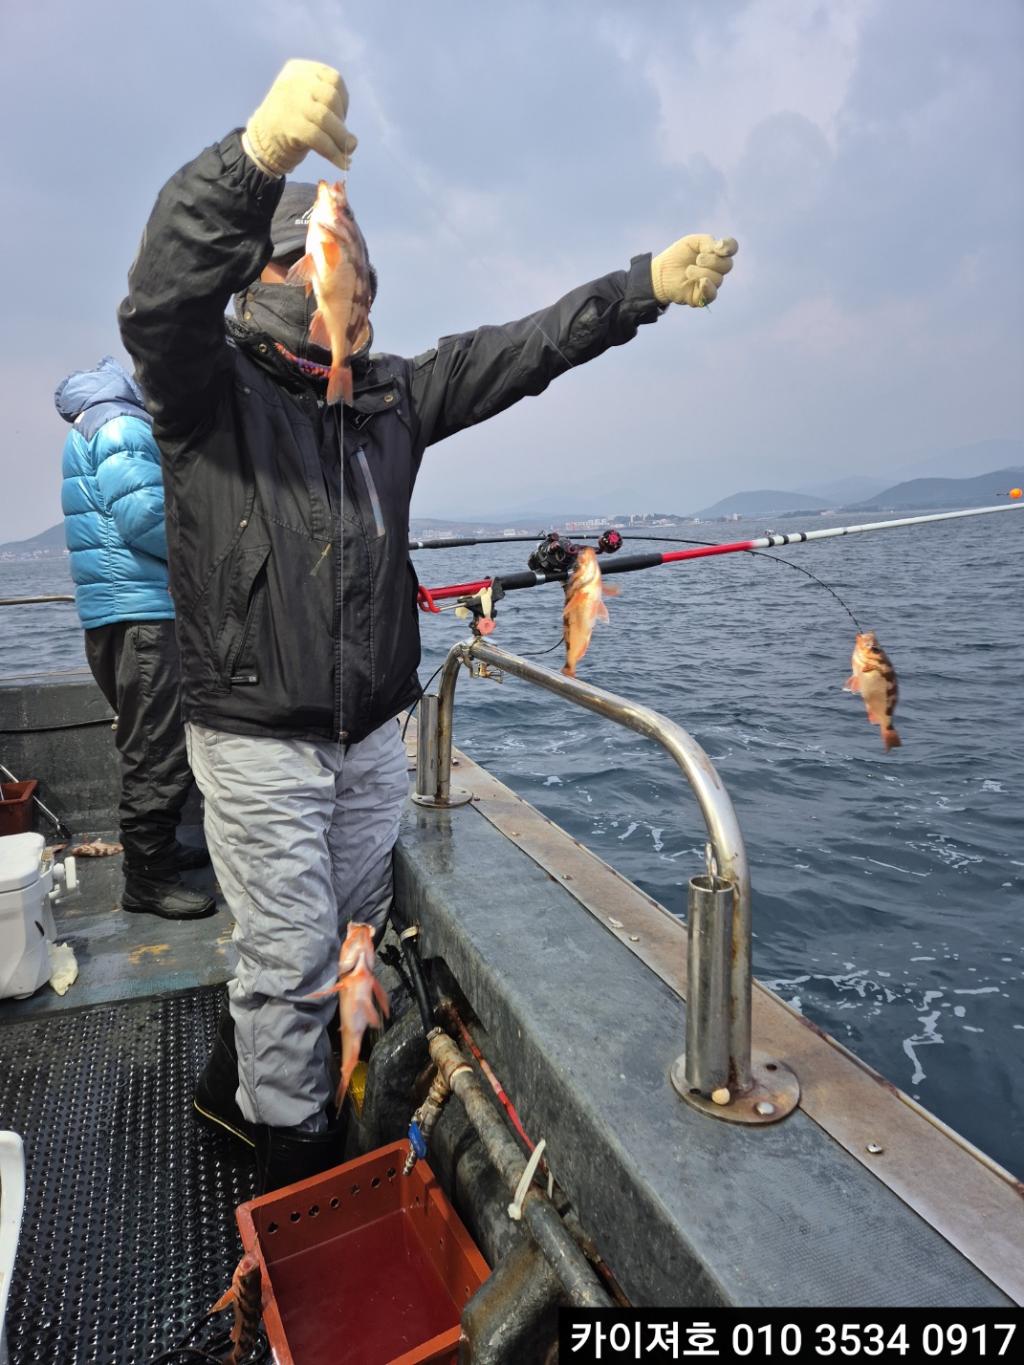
359 993
245 1299
584 604
337 269
875 679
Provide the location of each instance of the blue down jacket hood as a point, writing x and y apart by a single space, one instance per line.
112 498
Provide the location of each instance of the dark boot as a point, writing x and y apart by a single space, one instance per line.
285 1155
151 892
214 1096
188 858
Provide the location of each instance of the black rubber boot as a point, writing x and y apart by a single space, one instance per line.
214 1096
188 858
146 893
285 1155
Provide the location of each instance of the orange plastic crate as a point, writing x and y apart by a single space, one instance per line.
363 1265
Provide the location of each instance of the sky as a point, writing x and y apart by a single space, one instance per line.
866 154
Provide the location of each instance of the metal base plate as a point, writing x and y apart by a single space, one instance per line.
775 1092
458 796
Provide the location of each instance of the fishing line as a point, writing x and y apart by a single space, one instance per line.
214 1350
676 539
408 718
800 569
536 654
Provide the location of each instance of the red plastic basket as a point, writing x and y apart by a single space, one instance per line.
363 1265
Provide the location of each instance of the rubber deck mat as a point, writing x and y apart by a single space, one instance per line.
129 1233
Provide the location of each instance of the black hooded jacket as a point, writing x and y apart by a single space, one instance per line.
294 593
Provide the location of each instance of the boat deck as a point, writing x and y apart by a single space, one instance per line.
129 956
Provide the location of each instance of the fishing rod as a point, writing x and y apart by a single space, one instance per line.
32 601
454 542
632 563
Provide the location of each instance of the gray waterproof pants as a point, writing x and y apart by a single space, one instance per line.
301 837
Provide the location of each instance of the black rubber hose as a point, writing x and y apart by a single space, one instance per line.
541 1217
419 981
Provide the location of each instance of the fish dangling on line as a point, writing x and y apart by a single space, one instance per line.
875 679
359 993
336 267
584 604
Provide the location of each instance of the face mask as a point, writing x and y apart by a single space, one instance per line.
283 311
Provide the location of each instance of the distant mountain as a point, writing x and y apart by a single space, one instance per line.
840 491
963 462
939 493
49 542
761 502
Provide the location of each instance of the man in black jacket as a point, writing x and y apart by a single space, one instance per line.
296 601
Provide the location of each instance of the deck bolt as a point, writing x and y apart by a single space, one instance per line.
874 1148
720 1096
634 938
765 1107
615 923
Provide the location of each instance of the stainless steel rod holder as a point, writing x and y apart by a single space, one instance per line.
434 754
426 746
708 953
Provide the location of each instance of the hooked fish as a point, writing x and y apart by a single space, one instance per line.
875 679
359 993
584 604
244 1297
336 267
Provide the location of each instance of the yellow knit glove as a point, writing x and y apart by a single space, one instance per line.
691 270
304 111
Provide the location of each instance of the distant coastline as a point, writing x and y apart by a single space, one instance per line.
912 495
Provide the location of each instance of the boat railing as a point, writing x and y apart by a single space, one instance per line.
716 1072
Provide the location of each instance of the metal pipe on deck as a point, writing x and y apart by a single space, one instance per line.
540 1215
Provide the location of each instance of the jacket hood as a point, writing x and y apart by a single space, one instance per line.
109 382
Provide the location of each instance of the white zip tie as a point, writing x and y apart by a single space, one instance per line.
515 1209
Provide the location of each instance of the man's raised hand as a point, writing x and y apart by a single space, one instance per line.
691 270
304 111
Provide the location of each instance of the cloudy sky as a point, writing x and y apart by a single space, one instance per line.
866 154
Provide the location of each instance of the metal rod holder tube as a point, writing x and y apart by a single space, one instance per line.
709 945
457 656
426 746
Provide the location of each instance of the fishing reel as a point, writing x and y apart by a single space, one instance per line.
609 542
555 555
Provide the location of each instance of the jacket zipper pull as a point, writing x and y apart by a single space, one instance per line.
323 555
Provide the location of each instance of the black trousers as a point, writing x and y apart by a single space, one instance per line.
136 666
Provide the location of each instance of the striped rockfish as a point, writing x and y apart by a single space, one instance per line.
584 604
336 267
875 679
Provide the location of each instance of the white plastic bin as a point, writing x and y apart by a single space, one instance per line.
26 919
12 1205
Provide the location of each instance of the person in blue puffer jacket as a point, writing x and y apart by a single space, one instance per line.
113 503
